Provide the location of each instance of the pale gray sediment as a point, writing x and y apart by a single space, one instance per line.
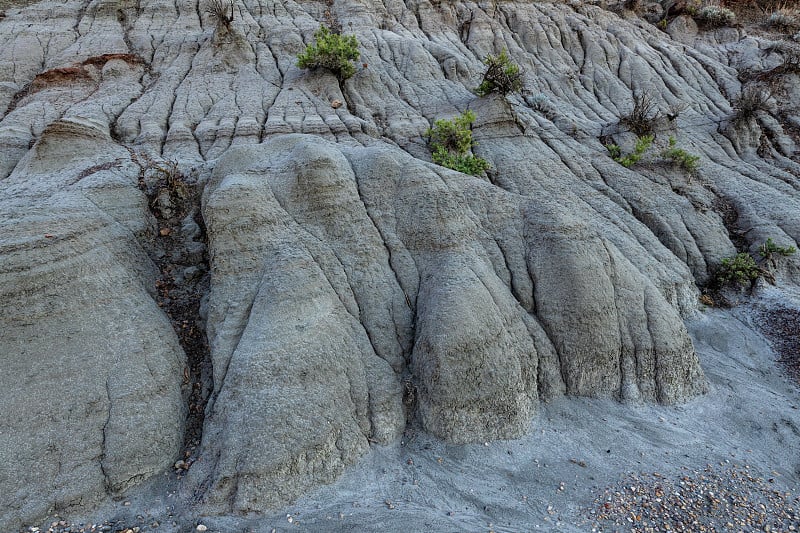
357 292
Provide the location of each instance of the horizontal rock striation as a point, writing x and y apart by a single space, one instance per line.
91 387
338 271
356 287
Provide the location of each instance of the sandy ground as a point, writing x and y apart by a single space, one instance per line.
555 478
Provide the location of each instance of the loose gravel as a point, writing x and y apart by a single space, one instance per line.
724 498
781 325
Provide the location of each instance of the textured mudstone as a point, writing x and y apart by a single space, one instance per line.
327 262
355 286
92 369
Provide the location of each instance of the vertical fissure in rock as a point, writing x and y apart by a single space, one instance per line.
729 215
179 250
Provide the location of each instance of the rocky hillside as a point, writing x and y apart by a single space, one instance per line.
209 255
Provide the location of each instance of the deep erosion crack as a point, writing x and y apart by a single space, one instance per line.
179 250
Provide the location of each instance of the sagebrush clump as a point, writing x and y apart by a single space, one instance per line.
785 18
450 142
714 16
502 76
331 51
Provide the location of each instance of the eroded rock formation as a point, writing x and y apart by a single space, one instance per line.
354 286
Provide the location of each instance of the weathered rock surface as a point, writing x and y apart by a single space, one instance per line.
92 371
355 286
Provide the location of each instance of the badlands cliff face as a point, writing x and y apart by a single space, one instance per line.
154 160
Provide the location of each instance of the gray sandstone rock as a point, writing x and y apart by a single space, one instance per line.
91 387
340 253
355 287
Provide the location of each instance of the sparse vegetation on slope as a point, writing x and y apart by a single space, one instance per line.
680 157
714 16
644 117
628 160
219 12
331 51
743 269
754 98
502 76
451 141
740 269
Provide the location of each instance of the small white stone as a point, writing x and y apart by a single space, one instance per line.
201 527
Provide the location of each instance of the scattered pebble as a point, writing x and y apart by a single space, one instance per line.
780 325
203 527
732 499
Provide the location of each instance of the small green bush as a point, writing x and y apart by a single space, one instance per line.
769 249
466 163
331 51
741 269
628 160
680 157
454 135
450 142
502 76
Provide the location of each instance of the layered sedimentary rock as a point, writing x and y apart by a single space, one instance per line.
355 287
92 371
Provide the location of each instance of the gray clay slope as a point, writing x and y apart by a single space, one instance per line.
353 284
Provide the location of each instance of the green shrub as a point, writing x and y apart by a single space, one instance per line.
450 142
628 160
614 151
680 157
741 269
501 76
769 249
331 51
454 135
466 163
